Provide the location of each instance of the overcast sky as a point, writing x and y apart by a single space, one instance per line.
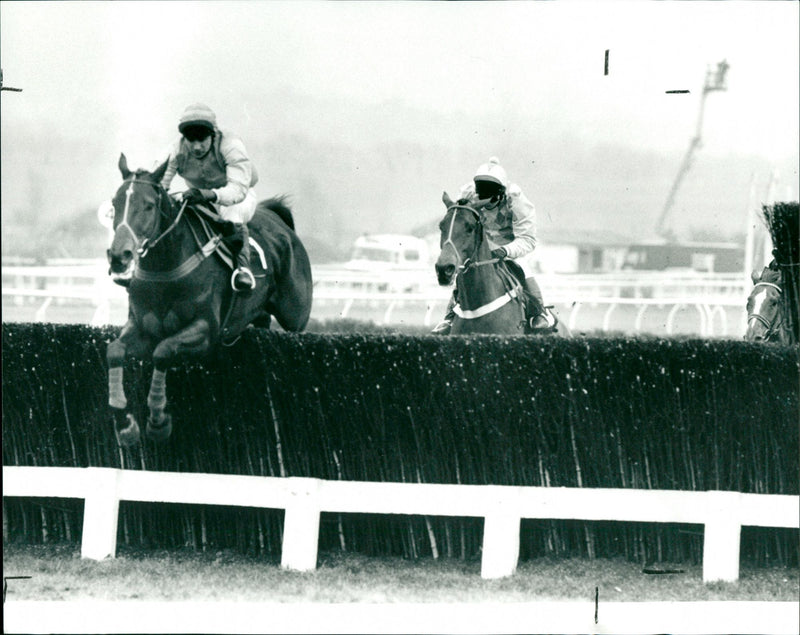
119 73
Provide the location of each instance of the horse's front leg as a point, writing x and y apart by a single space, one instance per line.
130 343
194 340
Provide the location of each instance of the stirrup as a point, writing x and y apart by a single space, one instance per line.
443 327
550 321
251 282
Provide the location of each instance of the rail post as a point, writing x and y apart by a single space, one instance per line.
301 525
721 538
100 513
501 527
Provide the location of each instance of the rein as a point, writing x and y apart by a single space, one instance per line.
468 263
143 246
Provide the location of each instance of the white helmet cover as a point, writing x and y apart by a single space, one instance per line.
198 115
492 171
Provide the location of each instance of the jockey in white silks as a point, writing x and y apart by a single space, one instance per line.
509 221
216 167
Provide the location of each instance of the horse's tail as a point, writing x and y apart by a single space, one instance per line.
279 205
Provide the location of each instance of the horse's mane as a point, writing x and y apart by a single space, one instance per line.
280 206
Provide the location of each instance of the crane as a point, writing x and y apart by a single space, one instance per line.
16 90
714 80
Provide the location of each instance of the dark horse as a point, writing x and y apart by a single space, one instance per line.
490 296
766 306
180 300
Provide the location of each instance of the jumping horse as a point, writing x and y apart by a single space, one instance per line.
490 297
181 304
766 321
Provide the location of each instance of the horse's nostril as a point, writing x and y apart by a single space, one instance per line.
450 270
127 255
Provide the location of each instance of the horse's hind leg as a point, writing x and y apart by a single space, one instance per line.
159 424
192 341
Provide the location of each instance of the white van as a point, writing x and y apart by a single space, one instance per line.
389 251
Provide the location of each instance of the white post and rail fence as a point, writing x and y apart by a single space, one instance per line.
503 507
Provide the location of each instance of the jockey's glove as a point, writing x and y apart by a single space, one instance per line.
500 253
196 195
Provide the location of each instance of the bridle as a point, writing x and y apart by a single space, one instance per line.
143 245
511 284
469 262
772 327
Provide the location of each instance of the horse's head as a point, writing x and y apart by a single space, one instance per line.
139 205
461 237
764 308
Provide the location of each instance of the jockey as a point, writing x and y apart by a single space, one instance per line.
509 220
219 173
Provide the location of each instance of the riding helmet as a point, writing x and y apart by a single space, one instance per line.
198 115
492 172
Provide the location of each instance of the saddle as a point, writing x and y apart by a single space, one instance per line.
211 225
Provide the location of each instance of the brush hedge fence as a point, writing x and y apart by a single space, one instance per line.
636 413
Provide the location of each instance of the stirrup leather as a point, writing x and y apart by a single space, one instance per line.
243 270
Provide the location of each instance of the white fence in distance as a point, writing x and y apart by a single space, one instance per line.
503 507
414 298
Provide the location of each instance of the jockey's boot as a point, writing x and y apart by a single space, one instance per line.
539 318
443 327
242 279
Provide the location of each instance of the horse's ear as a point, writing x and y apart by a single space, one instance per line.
123 166
448 202
755 276
159 173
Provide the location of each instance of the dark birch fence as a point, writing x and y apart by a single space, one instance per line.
657 414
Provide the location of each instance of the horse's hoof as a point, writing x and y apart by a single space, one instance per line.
129 436
160 432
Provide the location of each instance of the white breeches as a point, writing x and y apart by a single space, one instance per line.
240 212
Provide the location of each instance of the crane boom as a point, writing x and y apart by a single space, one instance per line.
715 80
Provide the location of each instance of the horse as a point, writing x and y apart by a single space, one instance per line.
765 309
490 297
181 304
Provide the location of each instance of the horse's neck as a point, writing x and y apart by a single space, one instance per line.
481 284
177 246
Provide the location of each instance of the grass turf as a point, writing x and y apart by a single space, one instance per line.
58 573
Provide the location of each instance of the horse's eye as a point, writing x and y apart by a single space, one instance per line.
469 229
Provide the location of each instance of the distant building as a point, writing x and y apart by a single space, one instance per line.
580 251
688 256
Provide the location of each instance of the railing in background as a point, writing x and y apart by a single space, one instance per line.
404 297
503 507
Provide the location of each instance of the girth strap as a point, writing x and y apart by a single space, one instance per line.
471 314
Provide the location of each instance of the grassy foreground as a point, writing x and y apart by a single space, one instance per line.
58 573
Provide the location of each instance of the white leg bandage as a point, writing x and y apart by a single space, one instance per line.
116 392
157 398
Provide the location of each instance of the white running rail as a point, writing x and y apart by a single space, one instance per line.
722 513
